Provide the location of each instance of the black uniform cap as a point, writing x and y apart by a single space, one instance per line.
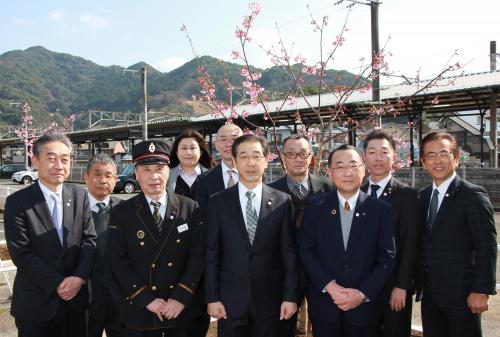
151 152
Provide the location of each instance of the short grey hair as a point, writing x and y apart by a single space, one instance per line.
101 159
48 137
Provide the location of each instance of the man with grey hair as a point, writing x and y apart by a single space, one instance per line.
51 239
100 178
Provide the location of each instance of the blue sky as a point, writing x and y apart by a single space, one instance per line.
424 33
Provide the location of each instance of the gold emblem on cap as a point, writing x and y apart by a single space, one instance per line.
140 234
152 148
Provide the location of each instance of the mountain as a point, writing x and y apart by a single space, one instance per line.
56 84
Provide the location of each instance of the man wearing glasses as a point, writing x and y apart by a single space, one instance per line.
251 274
458 248
346 246
296 154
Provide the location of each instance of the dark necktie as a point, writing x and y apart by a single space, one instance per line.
374 189
101 206
156 214
230 182
433 208
252 217
298 191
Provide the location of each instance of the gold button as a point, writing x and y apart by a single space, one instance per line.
170 264
153 287
171 286
153 265
141 243
178 241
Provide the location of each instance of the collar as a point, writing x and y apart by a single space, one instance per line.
382 183
47 192
352 200
196 172
225 168
163 199
444 185
243 190
304 182
93 201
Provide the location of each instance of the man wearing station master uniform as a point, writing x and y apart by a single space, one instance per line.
156 251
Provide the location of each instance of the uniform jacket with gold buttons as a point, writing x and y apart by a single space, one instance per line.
147 263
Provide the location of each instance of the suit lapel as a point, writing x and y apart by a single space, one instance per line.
450 194
67 200
357 224
234 205
145 217
389 189
42 210
335 226
315 185
169 220
266 206
220 179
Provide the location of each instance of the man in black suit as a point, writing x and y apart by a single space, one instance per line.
100 178
347 250
223 175
51 239
380 157
458 248
156 249
251 275
296 154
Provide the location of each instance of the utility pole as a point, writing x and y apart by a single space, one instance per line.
375 52
145 94
493 109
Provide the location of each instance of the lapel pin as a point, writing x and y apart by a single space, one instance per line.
357 214
364 214
269 202
68 204
385 194
140 234
172 217
334 211
446 195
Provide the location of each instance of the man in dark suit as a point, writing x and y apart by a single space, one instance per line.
51 239
380 156
156 249
223 175
458 248
296 154
100 178
347 250
251 275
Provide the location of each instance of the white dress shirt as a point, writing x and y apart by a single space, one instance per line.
256 201
93 202
382 183
225 174
443 188
163 206
351 201
189 179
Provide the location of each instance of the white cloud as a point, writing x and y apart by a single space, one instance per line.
169 63
23 22
58 15
94 21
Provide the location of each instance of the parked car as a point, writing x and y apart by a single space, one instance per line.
7 170
25 177
126 181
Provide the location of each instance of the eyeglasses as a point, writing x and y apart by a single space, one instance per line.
255 157
294 155
434 155
345 168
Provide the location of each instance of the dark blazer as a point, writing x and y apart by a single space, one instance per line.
42 262
209 183
458 255
240 274
406 213
365 265
99 295
148 264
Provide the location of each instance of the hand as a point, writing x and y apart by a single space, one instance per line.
351 300
478 303
69 287
156 307
216 310
287 310
172 309
336 291
398 299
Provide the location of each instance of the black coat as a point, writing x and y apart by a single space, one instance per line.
239 273
458 255
148 264
208 183
406 213
42 263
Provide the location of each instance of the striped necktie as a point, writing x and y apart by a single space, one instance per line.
251 215
156 214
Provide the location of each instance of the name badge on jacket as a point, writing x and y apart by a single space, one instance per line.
182 228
